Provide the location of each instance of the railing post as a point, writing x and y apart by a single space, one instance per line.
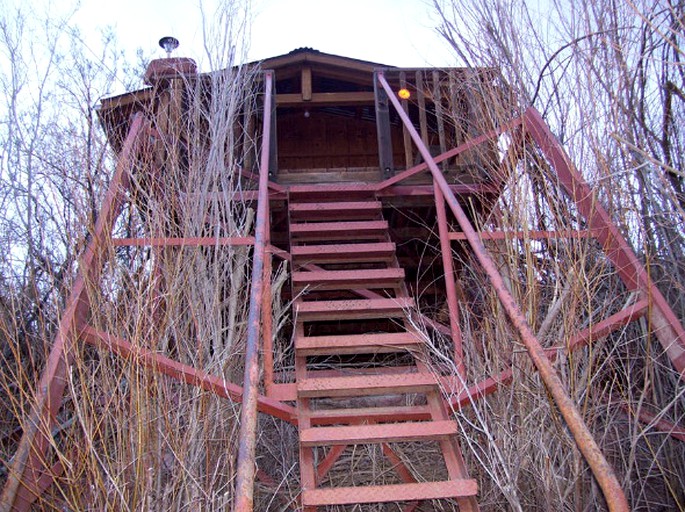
450 286
383 130
245 472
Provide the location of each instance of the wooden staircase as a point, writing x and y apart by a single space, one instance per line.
360 385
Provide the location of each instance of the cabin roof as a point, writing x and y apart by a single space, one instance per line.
294 59
311 56
114 112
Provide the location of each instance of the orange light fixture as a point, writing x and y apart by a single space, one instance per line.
404 93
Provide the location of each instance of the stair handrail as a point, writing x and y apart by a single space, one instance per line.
245 471
601 469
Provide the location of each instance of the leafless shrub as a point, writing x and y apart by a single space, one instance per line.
129 438
605 76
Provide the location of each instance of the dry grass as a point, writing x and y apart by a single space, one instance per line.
131 439
515 440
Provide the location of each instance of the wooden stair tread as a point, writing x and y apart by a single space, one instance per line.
361 225
376 414
332 211
364 385
344 253
390 493
356 343
381 433
331 189
348 279
353 309
344 230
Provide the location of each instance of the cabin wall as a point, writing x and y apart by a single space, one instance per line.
339 142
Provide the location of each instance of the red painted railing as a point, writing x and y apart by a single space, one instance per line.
601 469
244 486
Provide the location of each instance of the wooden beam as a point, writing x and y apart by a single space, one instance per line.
306 79
325 98
406 138
384 131
437 94
421 97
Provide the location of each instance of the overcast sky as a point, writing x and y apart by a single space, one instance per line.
394 32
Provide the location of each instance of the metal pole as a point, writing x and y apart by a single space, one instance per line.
601 469
245 474
450 285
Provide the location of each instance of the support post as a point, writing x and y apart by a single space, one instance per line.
273 139
450 287
383 131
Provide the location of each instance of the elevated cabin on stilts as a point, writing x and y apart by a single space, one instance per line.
380 190
353 207
333 126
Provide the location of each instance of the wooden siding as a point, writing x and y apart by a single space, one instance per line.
329 140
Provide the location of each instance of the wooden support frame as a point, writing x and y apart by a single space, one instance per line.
406 138
305 84
272 138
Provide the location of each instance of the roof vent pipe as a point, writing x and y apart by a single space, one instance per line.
169 44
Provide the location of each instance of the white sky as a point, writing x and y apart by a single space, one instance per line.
394 32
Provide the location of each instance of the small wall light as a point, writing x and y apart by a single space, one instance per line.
404 93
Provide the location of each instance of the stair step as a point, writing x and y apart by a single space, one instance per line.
360 191
347 230
365 385
389 493
353 309
372 343
333 211
372 414
381 433
343 253
348 279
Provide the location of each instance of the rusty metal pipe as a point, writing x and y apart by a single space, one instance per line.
247 441
601 469
450 285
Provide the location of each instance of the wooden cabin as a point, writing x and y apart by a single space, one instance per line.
334 126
